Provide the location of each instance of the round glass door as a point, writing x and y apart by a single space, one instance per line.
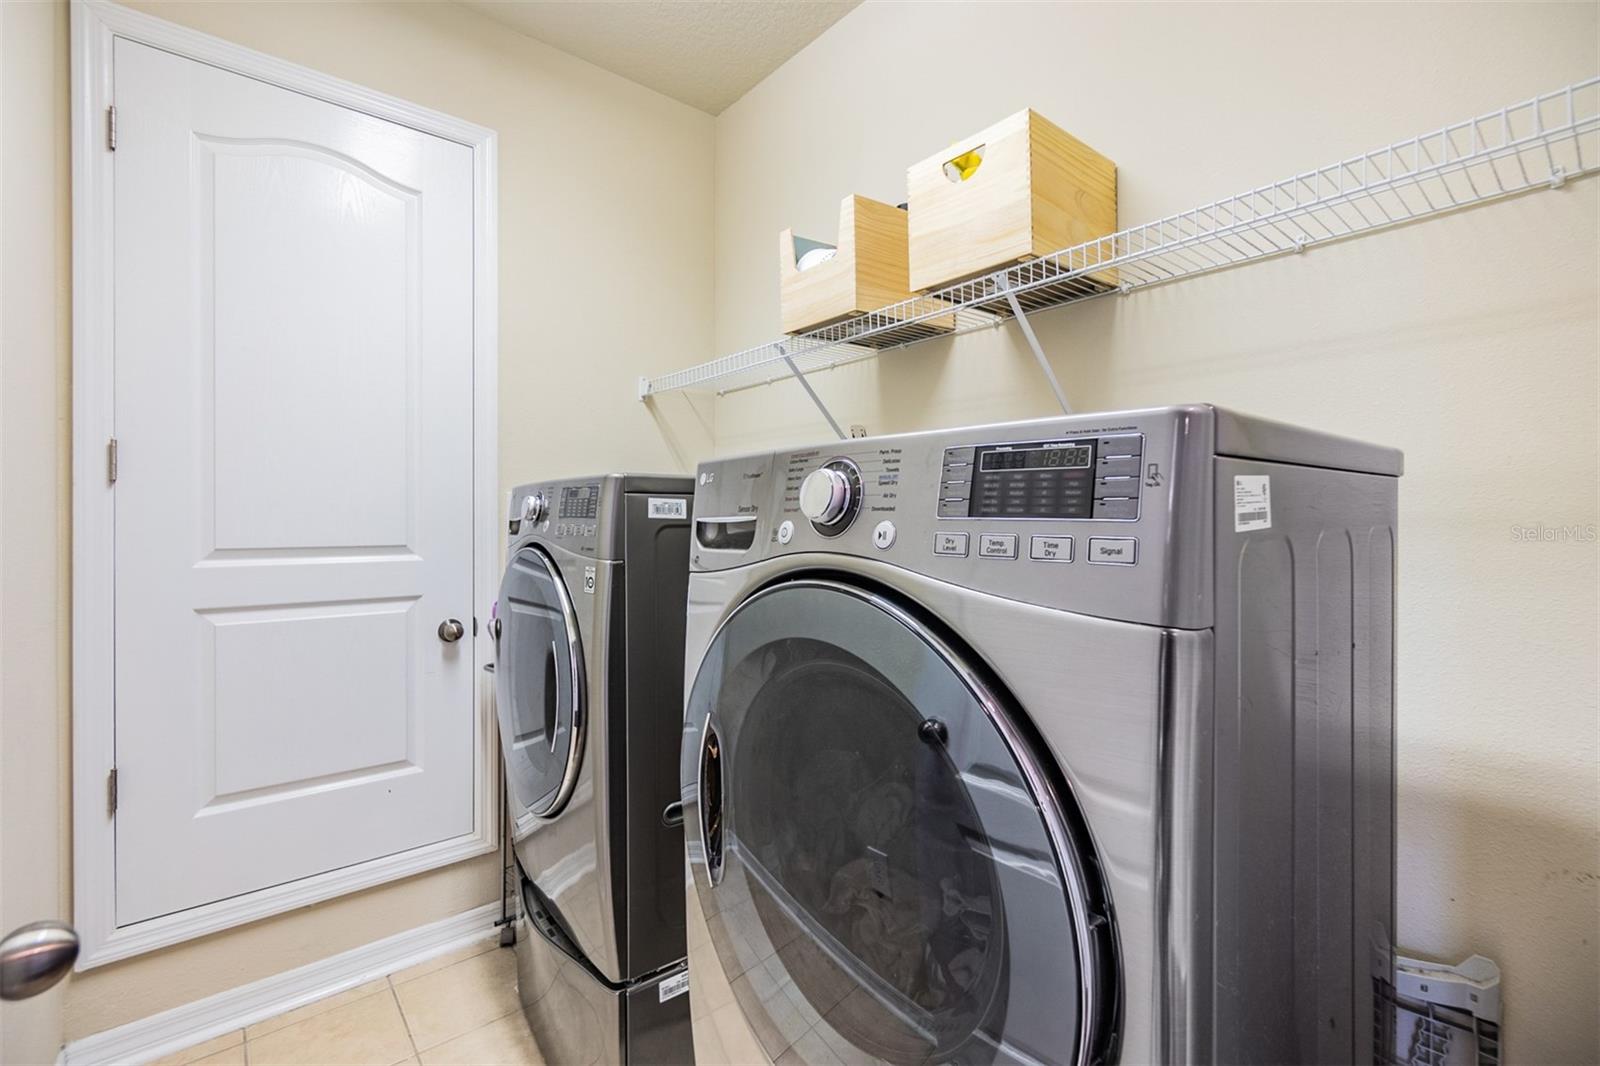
887 871
538 685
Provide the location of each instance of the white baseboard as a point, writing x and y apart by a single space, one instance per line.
178 1028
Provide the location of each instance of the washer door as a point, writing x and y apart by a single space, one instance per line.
886 869
538 686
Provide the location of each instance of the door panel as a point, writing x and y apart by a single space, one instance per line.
290 225
886 871
293 349
278 673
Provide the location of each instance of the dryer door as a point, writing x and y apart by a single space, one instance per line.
887 871
538 686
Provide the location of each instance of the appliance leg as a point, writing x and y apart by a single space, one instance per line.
508 918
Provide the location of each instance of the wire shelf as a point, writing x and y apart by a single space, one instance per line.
1542 142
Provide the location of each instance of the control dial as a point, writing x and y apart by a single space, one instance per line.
534 509
830 496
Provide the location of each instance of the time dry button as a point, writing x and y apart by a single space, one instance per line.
1050 549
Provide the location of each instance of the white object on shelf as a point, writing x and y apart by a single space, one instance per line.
1542 142
815 257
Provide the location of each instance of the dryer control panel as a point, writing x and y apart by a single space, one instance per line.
1075 512
1077 477
1112 514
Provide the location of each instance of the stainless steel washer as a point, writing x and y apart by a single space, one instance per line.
1059 741
588 675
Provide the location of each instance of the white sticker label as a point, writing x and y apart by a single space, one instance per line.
674 986
588 580
663 508
1252 503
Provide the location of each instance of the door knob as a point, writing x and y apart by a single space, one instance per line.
451 630
35 956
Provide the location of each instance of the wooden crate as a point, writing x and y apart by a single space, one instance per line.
868 272
1035 190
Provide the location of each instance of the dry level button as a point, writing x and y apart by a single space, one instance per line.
1123 551
950 544
1050 549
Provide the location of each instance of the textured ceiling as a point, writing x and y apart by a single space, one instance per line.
707 53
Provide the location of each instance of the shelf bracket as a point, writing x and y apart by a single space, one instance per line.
1038 352
788 361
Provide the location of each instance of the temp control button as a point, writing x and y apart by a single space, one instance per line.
997 545
1050 549
1122 551
950 544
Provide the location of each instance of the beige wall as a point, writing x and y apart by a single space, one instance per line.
1435 338
34 330
603 190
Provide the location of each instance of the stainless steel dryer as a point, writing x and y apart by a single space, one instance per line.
588 677
1065 741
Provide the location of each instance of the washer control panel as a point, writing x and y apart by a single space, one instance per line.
566 514
1094 478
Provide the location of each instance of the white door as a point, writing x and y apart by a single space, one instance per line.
293 409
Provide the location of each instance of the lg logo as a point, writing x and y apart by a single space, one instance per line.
707 477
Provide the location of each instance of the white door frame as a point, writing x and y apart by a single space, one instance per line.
95 25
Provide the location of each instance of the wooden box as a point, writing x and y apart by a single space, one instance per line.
867 272
1022 188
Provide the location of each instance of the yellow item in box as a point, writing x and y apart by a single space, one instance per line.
1018 190
963 166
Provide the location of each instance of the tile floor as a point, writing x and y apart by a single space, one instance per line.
458 1008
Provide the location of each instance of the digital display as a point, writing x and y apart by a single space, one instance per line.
579 501
1050 480
1075 456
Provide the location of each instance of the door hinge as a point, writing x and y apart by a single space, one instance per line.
111 461
111 793
111 127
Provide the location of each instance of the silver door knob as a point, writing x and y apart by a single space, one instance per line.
451 630
35 956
